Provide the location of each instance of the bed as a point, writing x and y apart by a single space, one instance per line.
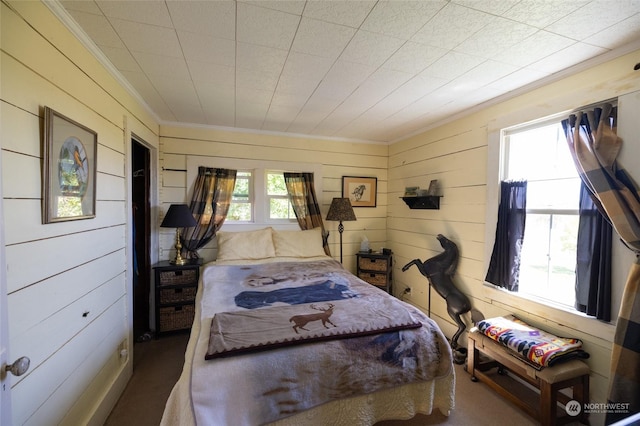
283 335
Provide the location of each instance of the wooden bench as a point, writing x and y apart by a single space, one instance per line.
548 381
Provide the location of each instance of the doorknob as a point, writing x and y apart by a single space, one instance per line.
19 367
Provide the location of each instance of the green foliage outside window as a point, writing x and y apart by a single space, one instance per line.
241 208
279 205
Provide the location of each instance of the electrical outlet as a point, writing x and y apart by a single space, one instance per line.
123 351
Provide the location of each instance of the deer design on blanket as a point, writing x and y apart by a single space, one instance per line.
301 320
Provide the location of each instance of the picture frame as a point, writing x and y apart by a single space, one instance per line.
69 169
361 191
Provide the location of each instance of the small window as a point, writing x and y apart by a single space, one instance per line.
246 202
279 207
258 199
241 208
539 154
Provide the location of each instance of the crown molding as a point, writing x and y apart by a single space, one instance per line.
67 20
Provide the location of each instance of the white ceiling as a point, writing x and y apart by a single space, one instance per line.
357 70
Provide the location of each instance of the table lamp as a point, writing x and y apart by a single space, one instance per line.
341 210
178 216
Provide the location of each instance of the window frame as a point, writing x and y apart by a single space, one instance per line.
251 199
506 149
268 199
258 169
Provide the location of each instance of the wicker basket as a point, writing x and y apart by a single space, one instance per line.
176 317
187 276
379 280
372 264
173 295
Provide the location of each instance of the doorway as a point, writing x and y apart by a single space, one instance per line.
141 214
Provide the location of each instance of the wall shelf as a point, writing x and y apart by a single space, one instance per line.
423 202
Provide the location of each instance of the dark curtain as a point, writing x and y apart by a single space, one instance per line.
210 202
302 195
594 146
593 266
504 268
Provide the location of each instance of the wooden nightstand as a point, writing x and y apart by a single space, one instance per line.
176 287
375 268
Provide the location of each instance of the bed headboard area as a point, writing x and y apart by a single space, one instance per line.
269 243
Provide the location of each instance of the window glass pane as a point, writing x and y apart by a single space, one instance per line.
239 212
557 194
540 153
241 190
534 265
279 208
549 257
278 197
276 184
241 207
562 276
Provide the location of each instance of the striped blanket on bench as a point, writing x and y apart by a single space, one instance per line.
534 346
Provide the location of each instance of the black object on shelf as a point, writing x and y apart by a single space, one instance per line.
423 202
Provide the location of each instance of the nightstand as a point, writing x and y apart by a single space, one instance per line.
176 287
375 268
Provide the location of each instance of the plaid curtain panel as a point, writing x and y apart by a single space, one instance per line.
302 195
212 192
594 146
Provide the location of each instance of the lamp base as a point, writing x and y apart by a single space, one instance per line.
178 260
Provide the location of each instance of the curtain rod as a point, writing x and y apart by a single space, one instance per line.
612 101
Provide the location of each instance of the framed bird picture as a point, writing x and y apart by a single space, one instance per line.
361 191
69 169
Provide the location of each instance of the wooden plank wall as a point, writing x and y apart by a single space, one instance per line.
457 154
336 157
68 283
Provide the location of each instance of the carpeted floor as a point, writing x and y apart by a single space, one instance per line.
158 363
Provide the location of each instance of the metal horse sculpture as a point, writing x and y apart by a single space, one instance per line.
439 270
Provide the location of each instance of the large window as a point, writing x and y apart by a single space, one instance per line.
539 154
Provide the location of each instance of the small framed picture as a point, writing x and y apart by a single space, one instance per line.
69 169
361 191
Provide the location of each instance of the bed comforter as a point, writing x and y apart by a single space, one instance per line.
286 383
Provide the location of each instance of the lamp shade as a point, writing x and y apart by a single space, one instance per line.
178 216
341 210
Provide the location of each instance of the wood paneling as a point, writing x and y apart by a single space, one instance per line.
456 154
68 282
59 254
337 159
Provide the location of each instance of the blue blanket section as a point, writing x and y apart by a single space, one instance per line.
322 292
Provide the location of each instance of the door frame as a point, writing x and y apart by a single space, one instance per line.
5 381
153 202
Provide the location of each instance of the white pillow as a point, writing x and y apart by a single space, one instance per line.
298 243
245 245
